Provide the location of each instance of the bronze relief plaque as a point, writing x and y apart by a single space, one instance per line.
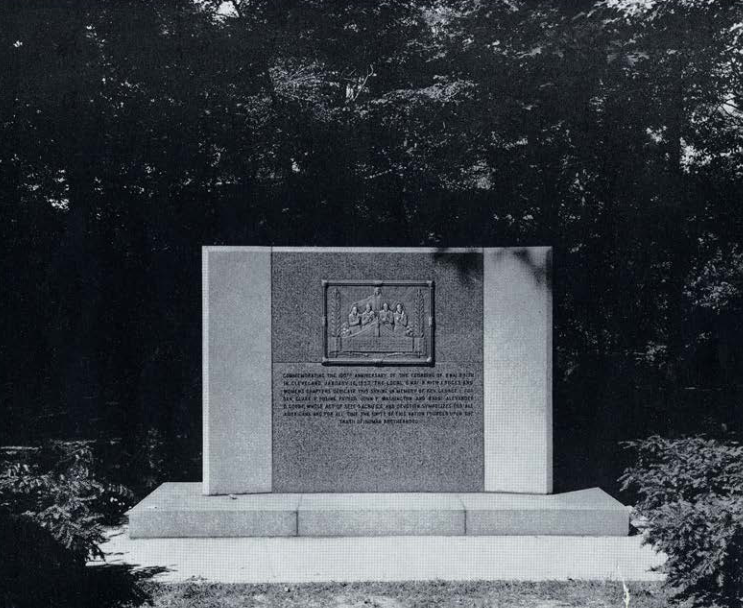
378 322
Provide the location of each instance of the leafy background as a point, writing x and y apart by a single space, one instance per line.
132 133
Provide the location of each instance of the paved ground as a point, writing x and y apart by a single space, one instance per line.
295 560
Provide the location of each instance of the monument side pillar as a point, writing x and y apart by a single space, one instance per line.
237 450
517 357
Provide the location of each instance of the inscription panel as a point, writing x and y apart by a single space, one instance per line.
388 429
377 397
378 323
388 410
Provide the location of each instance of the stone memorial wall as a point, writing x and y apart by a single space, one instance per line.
376 370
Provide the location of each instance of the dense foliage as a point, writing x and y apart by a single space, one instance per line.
132 133
57 488
54 501
691 508
35 570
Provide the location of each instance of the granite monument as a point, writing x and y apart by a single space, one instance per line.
372 391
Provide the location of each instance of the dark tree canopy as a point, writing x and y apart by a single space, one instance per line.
134 132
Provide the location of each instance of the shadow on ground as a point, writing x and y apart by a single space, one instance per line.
98 586
114 585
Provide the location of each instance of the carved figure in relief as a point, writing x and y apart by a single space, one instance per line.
354 319
385 314
386 320
380 323
377 299
368 315
400 320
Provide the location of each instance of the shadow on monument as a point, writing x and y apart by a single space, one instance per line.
470 266
575 466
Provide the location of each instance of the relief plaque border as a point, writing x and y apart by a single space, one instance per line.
422 340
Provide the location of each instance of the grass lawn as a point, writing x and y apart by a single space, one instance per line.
480 594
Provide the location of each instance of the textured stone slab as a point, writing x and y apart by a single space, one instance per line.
381 515
352 445
324 451
180 510
589 512
297 297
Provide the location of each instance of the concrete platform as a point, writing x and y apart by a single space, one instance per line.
381 515
583 513
179 510
401 558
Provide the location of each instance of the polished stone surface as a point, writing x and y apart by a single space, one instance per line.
518 369
237 454
180 510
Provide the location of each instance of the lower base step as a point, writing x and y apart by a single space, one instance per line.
391 558
179 510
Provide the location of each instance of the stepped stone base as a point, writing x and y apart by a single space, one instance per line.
180 510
